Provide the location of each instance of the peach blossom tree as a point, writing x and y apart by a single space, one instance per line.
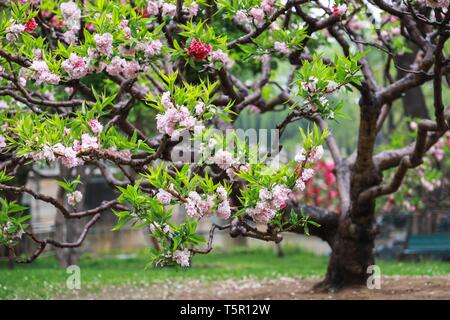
127 87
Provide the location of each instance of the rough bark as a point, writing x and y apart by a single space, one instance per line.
353 243
352 252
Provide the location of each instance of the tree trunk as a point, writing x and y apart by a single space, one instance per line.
353 243
352 253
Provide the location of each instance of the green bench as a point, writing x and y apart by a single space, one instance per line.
434 244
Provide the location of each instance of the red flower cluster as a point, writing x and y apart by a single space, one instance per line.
199 50
321 190
31 25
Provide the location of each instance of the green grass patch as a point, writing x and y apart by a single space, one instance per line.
45 279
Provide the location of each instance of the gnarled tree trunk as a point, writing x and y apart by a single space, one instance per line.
352 253
353 242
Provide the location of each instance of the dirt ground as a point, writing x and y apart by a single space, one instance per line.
282 288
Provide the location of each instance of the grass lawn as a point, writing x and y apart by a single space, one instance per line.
45 279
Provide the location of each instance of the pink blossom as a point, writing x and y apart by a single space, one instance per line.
13 31
164 228
153 8
67 155
187 121
315 154
59 150
241 17
153 48
116 66
193 9
413 125
75 66
42 73
196 207
71 36
268 6
300 184
265 194
281 47
2 141
90 27
194 196
220 56
169 9
191 208
301 155
70 160
164 197
95 125
174 119
199 108
244 168
166 123
231 173
48 153
131 69
339 10
224 210
71 14
310 85
37 54
262 213
191 204
182 257
104 43
307 174
88 142
125 28
331 87
76 145
280 196
222 193
166 101
74 198
223 159
258 15
205 206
